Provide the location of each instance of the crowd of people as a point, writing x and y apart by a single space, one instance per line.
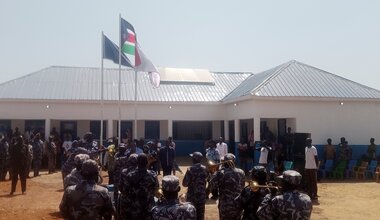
133 167
22 153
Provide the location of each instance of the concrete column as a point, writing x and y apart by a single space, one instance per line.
47 128
135 136
237 130
109 128
170 128
226 131
256 128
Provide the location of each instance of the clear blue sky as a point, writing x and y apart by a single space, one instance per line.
342 37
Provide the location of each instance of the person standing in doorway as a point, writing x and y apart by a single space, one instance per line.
311 165
222 147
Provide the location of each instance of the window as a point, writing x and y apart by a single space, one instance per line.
95 129
5 125
152 129
192 130
70 128
35 126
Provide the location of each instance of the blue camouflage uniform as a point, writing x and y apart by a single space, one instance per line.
75 177
172 208
123 187
249 199
37 147
87 201
292 204
230 182
70 162
195 180
141 185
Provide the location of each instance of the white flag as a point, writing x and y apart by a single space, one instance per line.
143 64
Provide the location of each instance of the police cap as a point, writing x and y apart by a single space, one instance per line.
170 183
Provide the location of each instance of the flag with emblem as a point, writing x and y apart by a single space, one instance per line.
128 40
130 47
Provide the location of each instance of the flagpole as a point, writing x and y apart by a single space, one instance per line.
101 92
135 107
119 121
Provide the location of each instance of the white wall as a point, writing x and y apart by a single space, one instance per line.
355 120
92 111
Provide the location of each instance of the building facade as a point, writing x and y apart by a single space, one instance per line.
194 105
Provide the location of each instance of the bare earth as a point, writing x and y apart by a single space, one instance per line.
338 200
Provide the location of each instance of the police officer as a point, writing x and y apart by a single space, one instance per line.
70 162
37 147
4 157
87 200
75 177
230 182
141 185
171 208
248 200
167 157
292 204
121 161
51 151
123 187
195 180
18 156
89 143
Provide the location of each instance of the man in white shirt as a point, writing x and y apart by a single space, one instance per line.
222 148
311 166
264 151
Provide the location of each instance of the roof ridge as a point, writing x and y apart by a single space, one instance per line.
335 75
282 67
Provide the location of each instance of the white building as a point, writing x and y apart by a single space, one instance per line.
195 105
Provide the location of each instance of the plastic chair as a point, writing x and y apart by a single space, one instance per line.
327 168
350 168
288 165
338 172
360 171
370 172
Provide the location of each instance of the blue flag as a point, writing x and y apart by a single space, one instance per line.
111 52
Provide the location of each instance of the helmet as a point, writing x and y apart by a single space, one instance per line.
197 156
229 156
292 177
79 159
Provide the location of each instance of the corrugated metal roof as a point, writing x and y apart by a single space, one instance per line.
291 79
79 83
295 79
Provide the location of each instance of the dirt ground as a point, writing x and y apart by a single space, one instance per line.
338 200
